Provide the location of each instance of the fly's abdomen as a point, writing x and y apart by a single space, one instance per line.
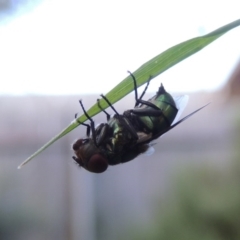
164 113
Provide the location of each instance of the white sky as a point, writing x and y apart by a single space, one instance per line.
78 47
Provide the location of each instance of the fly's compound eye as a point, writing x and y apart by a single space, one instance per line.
97 164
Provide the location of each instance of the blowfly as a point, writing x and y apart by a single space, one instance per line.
127 135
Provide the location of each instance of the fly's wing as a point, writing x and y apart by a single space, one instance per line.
175 124
180 121
181 103
150 150
147 149
143 137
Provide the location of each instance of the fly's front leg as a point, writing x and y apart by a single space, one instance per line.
92 125
84 124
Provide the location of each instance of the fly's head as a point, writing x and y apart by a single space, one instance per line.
89 156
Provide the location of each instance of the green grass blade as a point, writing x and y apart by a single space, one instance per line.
153 68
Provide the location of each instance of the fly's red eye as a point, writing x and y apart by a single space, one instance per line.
97 164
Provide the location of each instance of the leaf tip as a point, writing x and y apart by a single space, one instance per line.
23 163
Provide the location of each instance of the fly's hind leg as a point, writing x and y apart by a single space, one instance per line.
149 112
139 100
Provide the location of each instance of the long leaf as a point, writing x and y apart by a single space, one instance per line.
152 68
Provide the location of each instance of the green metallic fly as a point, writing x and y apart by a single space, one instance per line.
127 135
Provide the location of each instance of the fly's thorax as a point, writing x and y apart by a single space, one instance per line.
89 156
115 125
119 140
120 133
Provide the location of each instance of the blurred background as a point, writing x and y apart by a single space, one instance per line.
54 53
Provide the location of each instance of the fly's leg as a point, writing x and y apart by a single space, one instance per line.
135 88
108 115
138 100
128 125
109 104
84 124
143 93
100 132
149 104
92 125
154 111
148 112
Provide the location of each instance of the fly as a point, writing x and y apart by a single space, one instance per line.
127 135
